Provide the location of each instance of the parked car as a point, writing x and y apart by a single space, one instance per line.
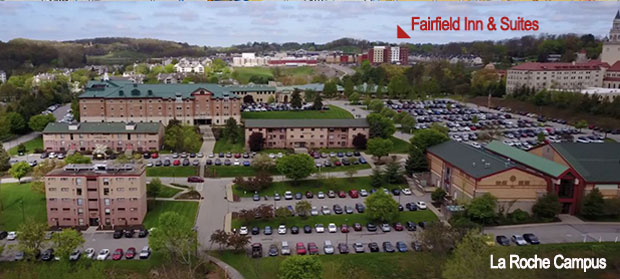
118 254
387 247
285 249
257 250
371 227
75 255
358 247
357 227
288 195
531 238
401 246
267 230
421 205
103 254
313 249
328 247
373 247
319 228
363 193
360 207
47 255
343 248
143 233
325 210
411 226
320 195
300 248
145 252
332 228
282 229
338 209
11 236
129 233
131 253
294 230
3 235
406 191
518 239
353 194
195 179
385 228
19 256
502 240
273 250
243 230
398 227
90 253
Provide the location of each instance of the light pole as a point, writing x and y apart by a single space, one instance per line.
346 235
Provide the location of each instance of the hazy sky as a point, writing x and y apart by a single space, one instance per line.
227 23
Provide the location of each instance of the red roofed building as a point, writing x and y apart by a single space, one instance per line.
612 76
556 75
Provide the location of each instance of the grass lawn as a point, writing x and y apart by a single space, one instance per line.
224 145
315 186
34 205
429 265
31 145
338 219
399 146
345 168
243 74
172 171
156 208
276 151
334 112
166 192
229 171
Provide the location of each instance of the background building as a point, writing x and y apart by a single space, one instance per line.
308 133
611 47
561 76
115 135
121 101
96 195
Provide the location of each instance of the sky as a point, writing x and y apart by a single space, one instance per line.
228 23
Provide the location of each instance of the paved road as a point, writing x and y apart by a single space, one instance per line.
15 142
561 232
61 111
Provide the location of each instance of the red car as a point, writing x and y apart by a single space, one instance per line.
237 155
176 162
353 194
337 163
313 249
154 156
344 228
118 254
301 249
357 227
131 252
195 179
342 194
398 227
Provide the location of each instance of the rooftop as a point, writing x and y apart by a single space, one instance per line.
126 89
475 162
598 162
306 123
103 127
535 162
98 169
559 66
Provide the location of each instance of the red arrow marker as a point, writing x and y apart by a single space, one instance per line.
401 34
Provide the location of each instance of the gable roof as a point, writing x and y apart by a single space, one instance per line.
306 123
559 66
475 162
127 89
535 162
103 127
595 162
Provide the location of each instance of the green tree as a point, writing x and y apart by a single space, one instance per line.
425 138
416 161
593 204
470 259
182 138
175 238
348 88
540 137
16 122
296 99
483 209
359 141
407 123
330 89
303 208
379 147
392 173
262 162
4 159
380 126
75 109
19 170
31 237
354 98
318 102
376 105
282 212
66 241
388 113
300 267
581 124
381 207
45 166
398 87
376 179
547 206
438 195
154 187
256 141
77 158
439 237
295 166
238 241
38 122
231 130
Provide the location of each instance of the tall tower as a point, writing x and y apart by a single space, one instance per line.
611 47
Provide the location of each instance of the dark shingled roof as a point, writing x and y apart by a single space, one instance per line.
125 89
475 162
306 123
595 162
102 127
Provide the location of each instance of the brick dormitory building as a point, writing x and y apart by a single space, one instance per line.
81 195
517 178
308 133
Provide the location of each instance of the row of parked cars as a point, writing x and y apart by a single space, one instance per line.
333 228
90 253
174 162
519 240
353 193
329 248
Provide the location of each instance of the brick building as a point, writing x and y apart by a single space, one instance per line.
122 101
308 133
96 195
117 136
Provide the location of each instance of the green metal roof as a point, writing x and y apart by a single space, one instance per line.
250 87
475 162
310 86
595 162
102 127
536 162
127 89
306 123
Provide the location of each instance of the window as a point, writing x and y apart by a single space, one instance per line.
78 191
119 189
107 211
133 189
106 202
64 189
106 181
133 209
106 191
80 211
80 201
51 189
121 209
78 181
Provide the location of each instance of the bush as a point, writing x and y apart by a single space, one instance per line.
438 195
612 207
547 207
518 216
593 205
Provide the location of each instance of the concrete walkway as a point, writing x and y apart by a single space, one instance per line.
230 272
15 142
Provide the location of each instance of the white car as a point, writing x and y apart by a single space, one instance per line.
386 191
149 164
243 230
328 247
320 195
11 236
272 156
52 155
475 144
90 253
199 155
332 228
288 195
237 163
421 205
406 191
519 240
319 228
325 210
286 250
282 229
385 228
363 193
145 252
314 211
103 254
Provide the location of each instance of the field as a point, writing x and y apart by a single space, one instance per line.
334 112
224 145
429 265
156 208
399 146
31 145
165 192
243 74
338 219
229 171
14 196
336 184
172 171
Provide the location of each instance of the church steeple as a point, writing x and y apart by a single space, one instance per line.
617 15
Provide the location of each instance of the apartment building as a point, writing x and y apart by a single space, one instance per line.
122 101
248 60
105 196
308 133
117 136
388 54
559 76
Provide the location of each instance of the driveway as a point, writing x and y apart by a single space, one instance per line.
561 232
